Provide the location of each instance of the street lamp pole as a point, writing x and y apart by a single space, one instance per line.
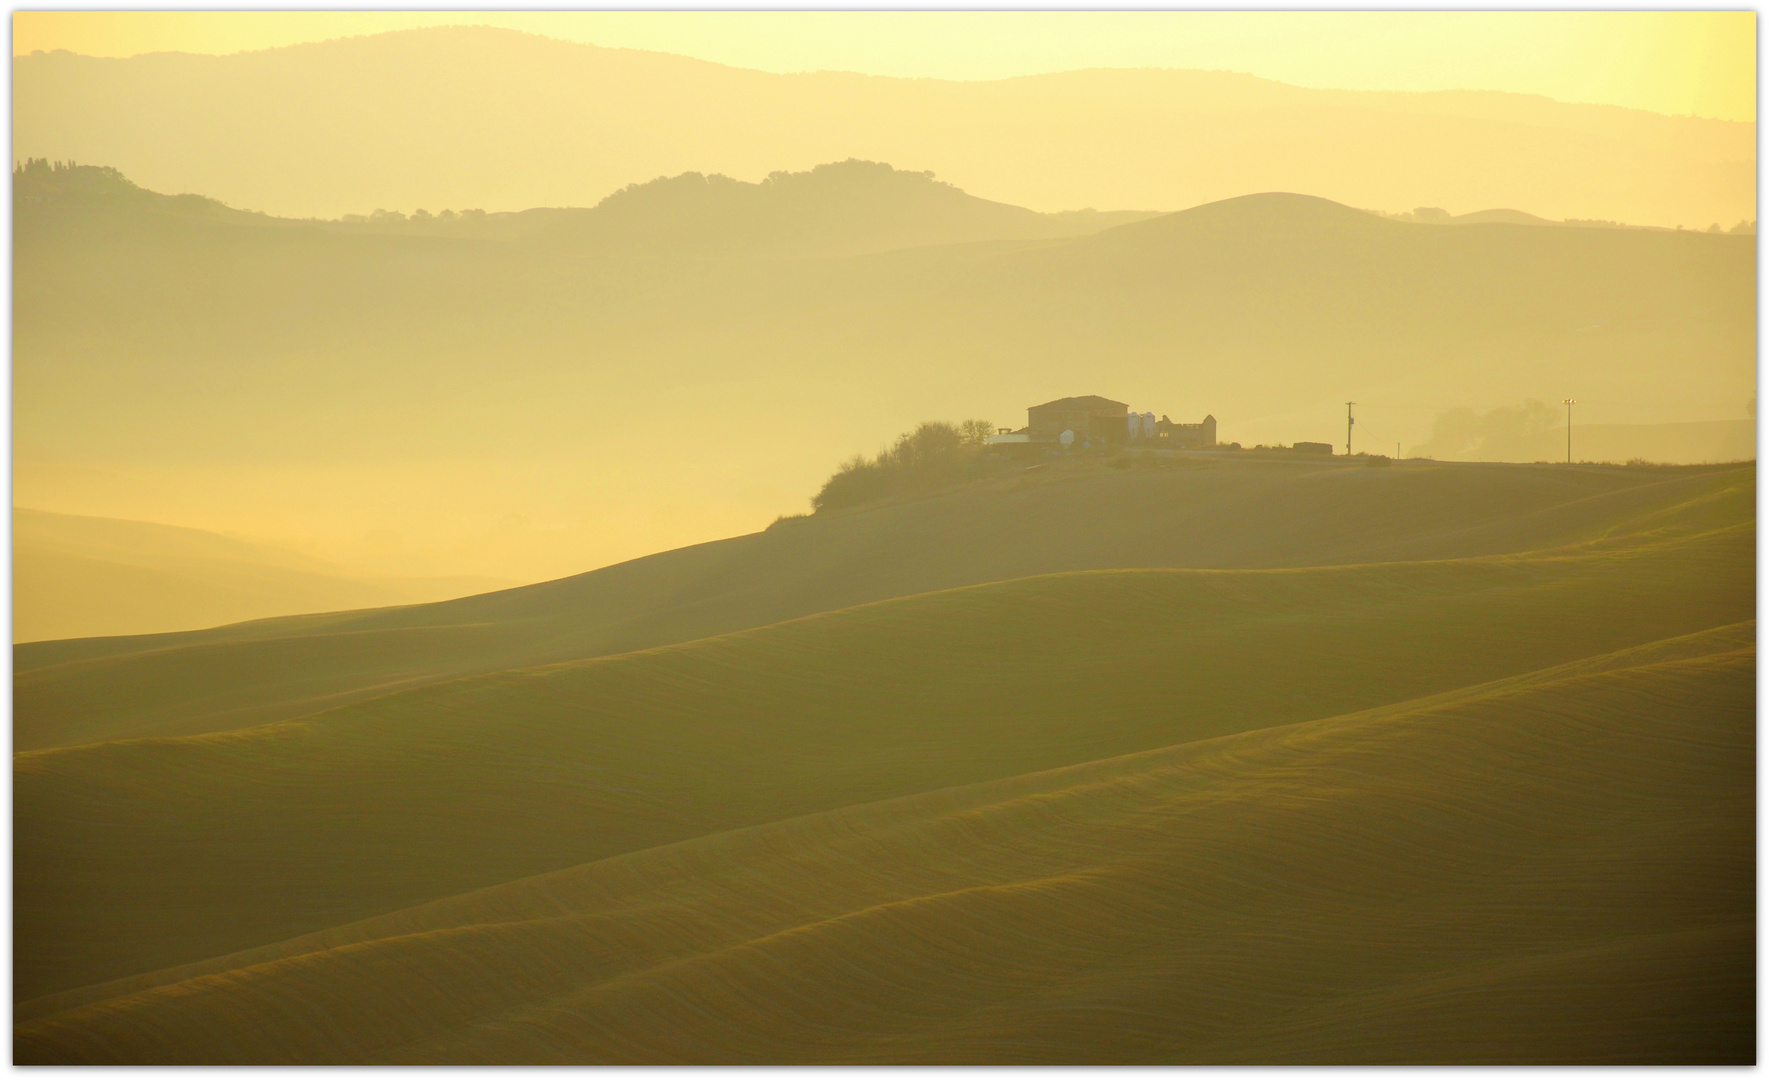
1569 403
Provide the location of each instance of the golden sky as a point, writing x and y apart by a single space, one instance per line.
1677 62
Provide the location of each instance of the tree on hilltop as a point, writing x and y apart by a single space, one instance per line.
935 453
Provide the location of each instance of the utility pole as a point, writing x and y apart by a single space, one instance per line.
1569 403
1348 422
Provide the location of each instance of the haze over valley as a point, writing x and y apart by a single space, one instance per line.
522 396
526 552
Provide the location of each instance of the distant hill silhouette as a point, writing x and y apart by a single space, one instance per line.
1534 431
643 374
479 117
84 577
45 187
1501 217
844 208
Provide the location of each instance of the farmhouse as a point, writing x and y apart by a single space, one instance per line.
1094 421
1090 420
1199 436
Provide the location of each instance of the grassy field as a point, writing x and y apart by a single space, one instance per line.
1551 868
1218 514
1471 781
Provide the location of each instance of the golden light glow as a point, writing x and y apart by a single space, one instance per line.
1678 62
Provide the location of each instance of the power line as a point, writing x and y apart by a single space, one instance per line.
1372 434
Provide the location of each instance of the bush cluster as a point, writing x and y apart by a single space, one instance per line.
935 453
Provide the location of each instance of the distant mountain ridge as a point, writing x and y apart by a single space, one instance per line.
840 208
707 390
478 117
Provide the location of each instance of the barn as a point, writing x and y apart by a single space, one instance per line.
1093 419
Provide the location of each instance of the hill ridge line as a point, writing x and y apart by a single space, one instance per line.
1220 75
1540 512
1606 544
1595 550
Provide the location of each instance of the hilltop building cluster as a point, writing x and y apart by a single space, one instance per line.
1095 422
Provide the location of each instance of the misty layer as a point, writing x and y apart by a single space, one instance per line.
527 396
420 118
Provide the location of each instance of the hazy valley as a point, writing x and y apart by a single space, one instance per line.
97 577
530 553
446 398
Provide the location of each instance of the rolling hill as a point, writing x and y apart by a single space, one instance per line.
79 577
1246 756
529 408
1245 759
1551 868
240 839
1229 513
477 117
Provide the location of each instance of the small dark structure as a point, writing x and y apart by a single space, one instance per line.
1312 448
1200 436
1094 421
